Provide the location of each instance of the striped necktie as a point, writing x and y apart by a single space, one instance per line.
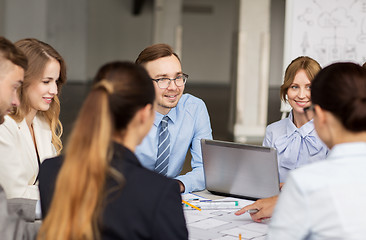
161 165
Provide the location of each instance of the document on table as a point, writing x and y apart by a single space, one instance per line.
222 223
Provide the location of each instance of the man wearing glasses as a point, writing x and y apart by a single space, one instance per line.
181 121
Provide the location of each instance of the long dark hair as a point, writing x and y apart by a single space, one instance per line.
341 89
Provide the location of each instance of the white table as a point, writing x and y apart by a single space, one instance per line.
221 223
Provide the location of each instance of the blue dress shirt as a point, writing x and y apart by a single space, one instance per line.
295 146
188 123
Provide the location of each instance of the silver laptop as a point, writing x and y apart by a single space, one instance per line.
240 170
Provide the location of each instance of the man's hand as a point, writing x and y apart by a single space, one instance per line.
181 186
264 206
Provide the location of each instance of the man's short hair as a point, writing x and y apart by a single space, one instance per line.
154 52
9 52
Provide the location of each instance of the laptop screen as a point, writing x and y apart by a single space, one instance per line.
240 170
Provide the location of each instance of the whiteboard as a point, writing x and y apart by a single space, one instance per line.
326 30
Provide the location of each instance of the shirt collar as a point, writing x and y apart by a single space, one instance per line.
172 114
344 150
303 130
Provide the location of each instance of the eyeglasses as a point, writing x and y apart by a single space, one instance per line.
165 82
307 111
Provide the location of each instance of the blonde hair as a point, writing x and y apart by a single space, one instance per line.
309 65
80 187
39 54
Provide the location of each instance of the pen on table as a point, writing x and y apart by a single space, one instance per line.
252 211
191 205
208 204
199 200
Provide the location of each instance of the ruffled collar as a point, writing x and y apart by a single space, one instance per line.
288 145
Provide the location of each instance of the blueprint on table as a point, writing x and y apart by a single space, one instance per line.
222 224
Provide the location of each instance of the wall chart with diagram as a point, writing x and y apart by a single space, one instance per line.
326 30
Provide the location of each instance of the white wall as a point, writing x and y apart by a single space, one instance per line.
67 32
87 33
25 18
209 27
114 33
61 24
277 43
2 17
253 65
167 26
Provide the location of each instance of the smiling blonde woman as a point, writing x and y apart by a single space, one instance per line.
326 200
32 131
294 137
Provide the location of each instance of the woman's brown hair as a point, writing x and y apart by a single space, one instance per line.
39 54
80 187
309 65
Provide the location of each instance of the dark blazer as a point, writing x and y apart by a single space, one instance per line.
147 207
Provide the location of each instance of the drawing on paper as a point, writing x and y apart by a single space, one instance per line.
328 30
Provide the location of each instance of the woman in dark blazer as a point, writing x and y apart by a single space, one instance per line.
102 191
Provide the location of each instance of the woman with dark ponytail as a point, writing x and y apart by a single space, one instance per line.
326 200
102 191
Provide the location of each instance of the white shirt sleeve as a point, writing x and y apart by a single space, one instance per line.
290 219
